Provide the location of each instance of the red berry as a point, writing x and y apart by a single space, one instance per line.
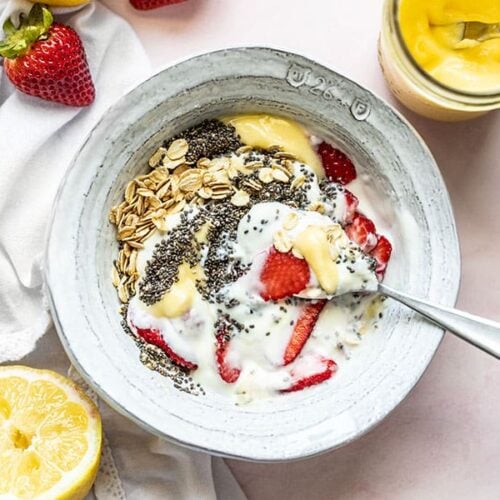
51 61
382 254
362 231
152 336
351 205
328 368
283 275
302 330
228 373
338 167
152 4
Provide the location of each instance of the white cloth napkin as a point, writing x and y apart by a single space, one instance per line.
37 142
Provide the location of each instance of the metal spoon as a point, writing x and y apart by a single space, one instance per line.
480 32
481 332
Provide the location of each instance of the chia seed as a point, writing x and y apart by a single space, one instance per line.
163 269
208 139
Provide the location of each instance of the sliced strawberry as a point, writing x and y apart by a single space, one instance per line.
152 336
338 167
362 231
326 369
382 254
302 330
283 275
351 205
228 373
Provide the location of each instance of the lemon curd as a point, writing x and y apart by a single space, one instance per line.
179 299
264 131
429 65
313 244
433 33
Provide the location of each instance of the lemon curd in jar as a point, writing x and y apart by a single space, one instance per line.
433 32
431 67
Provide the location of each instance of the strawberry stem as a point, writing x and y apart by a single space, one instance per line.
31 28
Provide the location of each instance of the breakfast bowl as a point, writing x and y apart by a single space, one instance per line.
398 176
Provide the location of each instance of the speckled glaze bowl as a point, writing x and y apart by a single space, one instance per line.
401 174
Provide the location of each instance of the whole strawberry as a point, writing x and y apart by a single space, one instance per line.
152 4
47 59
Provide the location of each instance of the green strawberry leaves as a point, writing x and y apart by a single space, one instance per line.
31 29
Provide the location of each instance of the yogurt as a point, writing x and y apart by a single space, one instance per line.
186 321
245 266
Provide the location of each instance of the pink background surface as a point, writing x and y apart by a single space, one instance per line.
444 440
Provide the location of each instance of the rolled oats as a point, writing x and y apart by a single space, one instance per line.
282 241
285 155
178 149
191 180
240 198
136 244
130 191
205 193
298 181
157 157
172 164
290 221
203 163
317 206
115 277
266 175
279 175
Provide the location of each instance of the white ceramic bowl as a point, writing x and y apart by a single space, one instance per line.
81 248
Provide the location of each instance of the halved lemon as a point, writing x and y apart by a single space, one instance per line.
50 436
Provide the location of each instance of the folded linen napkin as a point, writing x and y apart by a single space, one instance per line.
37 142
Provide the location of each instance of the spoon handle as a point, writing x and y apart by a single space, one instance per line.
482 333
481 32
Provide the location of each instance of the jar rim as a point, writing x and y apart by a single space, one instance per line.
426 76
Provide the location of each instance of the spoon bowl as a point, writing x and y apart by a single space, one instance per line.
480 32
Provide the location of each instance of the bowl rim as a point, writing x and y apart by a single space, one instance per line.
453 292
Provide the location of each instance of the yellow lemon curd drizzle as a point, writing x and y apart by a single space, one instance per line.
179 299
263 131
312 243
432 32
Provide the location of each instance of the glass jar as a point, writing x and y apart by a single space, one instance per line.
416 89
